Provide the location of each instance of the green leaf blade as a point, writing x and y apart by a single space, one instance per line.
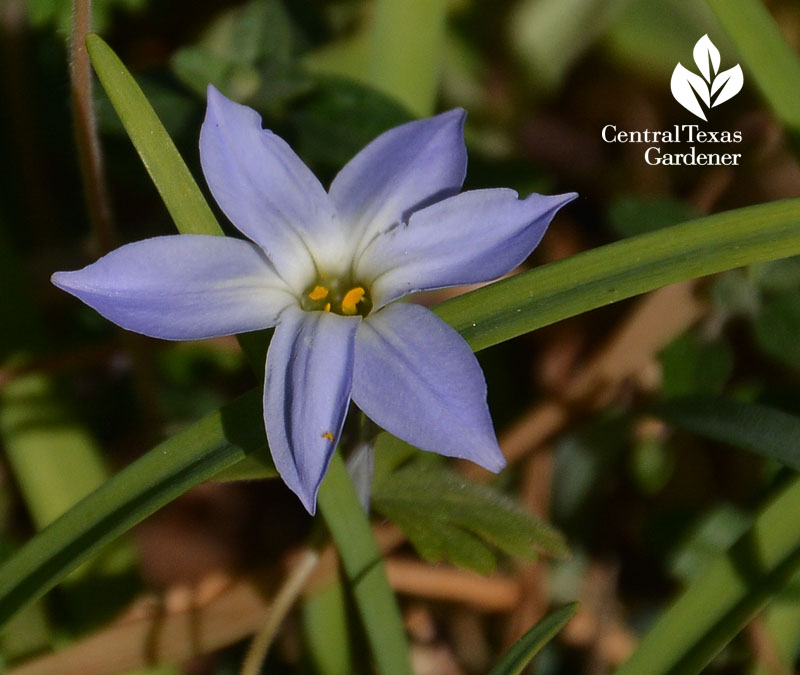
766 431
171 176
617 271
519 656
721 600
765 53
185 460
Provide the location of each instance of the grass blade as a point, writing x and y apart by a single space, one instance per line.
530 644
181 195
407 38
168 470
720 601
766 431
766 54
603 275
363 564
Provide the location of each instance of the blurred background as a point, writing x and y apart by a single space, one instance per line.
642 504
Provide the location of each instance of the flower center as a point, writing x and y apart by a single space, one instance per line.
338 296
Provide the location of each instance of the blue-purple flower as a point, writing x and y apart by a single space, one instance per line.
325 268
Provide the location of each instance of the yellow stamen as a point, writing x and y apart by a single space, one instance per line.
327 307
351 299
318 293
328 435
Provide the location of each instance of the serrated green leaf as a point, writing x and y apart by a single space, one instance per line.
436 507
437 540
769 432
530 644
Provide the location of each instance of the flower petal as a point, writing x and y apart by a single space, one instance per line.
402 170
182 287
306 393
266 191
418 379
473 237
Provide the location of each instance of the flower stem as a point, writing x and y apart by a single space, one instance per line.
363 565
86 138
280 606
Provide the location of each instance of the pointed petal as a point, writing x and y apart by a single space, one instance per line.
418 379
473 237
306 393
402 170
266 191
182 287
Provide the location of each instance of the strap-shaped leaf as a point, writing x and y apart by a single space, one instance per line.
719 602
166 167
603 275
758 428
530 644
167 471
766 54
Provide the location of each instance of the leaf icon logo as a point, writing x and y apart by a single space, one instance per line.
713 88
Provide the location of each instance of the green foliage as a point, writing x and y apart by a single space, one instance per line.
522 652
694 366
325 628
247 54
340 117
652 464
172 178
757 428
777 327
620 270
765 53
651 36
715 532
720 601
183 461
632 215
447 517
58 13
362 562
549 35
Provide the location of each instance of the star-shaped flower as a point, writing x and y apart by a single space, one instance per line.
325 268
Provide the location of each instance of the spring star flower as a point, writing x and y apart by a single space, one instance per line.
325 268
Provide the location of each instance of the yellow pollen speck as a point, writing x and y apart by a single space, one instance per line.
327 307
318 293
351 299
328 435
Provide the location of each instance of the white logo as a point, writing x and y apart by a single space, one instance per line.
687 86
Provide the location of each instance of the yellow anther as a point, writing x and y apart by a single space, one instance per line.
351 299
318 293
328 435
327 307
